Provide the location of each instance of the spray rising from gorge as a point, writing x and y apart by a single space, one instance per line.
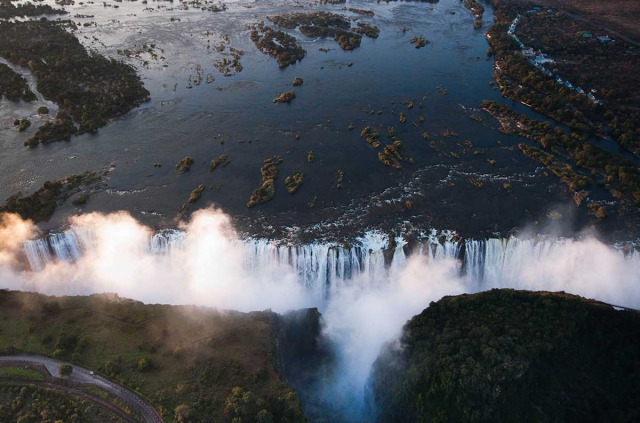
366 290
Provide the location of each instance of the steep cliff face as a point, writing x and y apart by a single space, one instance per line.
306 359
298 336
506 355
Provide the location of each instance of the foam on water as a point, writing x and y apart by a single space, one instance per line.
323 266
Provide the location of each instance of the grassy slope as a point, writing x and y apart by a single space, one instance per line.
196 355
20 373
507 355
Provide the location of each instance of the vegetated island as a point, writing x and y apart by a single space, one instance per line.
88 88
285 47
568 68
506 355
392 154
325 24
220 161
267 188
40 205
193 364
477 9
557 149
293 181
13 86
571 69
277 44
27 9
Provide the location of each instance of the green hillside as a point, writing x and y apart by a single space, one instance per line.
506 355
193 364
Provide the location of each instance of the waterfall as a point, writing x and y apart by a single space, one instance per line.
325 266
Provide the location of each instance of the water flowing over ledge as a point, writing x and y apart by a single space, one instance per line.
321 267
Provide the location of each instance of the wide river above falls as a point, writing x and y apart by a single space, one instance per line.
366 87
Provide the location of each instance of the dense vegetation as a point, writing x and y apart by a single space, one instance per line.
619 176
220 161
9 10
392 154
61 128
184 165
508 355
31 404
14 87
193 364
294 181
41 204
277 44
88 88
607 68
325 24
267 188
285 97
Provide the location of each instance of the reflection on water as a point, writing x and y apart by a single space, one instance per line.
173 48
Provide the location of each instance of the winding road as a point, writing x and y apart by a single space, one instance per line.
80 375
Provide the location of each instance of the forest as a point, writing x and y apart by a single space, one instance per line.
602 68
89 88
507 355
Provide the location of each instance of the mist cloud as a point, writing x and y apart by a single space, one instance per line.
208 271
361 313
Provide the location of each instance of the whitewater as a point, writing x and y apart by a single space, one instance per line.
324 268
365 289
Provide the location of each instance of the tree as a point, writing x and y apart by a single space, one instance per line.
65 370
182 413
264 416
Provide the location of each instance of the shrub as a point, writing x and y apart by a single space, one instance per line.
65 370
144 365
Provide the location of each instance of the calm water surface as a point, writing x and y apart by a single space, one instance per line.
184 119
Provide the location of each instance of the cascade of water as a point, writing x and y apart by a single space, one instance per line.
322 267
